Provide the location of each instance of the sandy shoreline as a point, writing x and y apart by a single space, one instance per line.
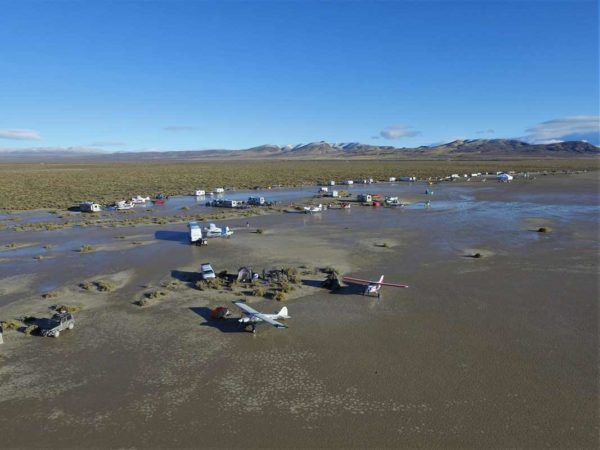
496 351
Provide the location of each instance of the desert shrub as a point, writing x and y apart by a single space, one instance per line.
280 296
142 302
39 257
31 329
103 286
201 285
542 230
86 285
155 294
67 308
330 270
477 255
11 245
292 275
173 284
215 283
286 286
11 324
49 295
86 249
259 291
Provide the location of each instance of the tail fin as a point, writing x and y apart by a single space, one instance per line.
283 312
380 280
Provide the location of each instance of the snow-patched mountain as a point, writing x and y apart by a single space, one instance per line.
465 149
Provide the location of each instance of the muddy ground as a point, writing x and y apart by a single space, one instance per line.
495 351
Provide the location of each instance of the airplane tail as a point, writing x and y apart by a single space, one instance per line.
283 313
380 280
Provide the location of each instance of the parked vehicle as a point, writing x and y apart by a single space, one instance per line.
207 272
139 200
59 322
89 207
123 205
195 232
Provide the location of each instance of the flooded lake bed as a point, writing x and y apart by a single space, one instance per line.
494 351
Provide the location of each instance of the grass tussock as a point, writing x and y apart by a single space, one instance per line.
68 308
11 324
50 295
154 295
99 285
86 249
259 291
172 285
142 302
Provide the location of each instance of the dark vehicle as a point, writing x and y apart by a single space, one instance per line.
59 322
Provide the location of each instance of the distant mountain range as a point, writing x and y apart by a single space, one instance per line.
460 149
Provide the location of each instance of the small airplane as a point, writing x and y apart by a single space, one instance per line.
372 287
313 209
251 317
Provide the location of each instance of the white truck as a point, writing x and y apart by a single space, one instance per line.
195 233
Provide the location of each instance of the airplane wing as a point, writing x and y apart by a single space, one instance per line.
244 307
268 320
358 280
394 285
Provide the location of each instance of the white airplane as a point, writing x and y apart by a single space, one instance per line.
251 317
313 209
372 287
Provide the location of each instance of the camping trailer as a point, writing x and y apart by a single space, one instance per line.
89 207
257 201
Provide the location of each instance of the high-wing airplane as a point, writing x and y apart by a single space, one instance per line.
372 287
251 317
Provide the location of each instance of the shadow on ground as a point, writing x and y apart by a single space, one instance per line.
173 236
350 289
227 325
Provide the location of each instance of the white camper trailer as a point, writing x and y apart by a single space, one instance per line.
89 207
219 190
200 193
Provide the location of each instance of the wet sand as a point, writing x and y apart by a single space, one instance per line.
496 351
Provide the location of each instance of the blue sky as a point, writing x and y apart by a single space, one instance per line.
175 75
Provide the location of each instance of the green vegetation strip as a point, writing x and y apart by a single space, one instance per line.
51 186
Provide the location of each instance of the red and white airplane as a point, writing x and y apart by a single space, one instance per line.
372 287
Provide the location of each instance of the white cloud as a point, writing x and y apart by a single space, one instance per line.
19 134
488 131
574 128
398 132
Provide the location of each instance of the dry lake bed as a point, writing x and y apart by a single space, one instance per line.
495 351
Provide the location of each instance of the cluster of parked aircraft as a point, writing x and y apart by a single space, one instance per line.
251 317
